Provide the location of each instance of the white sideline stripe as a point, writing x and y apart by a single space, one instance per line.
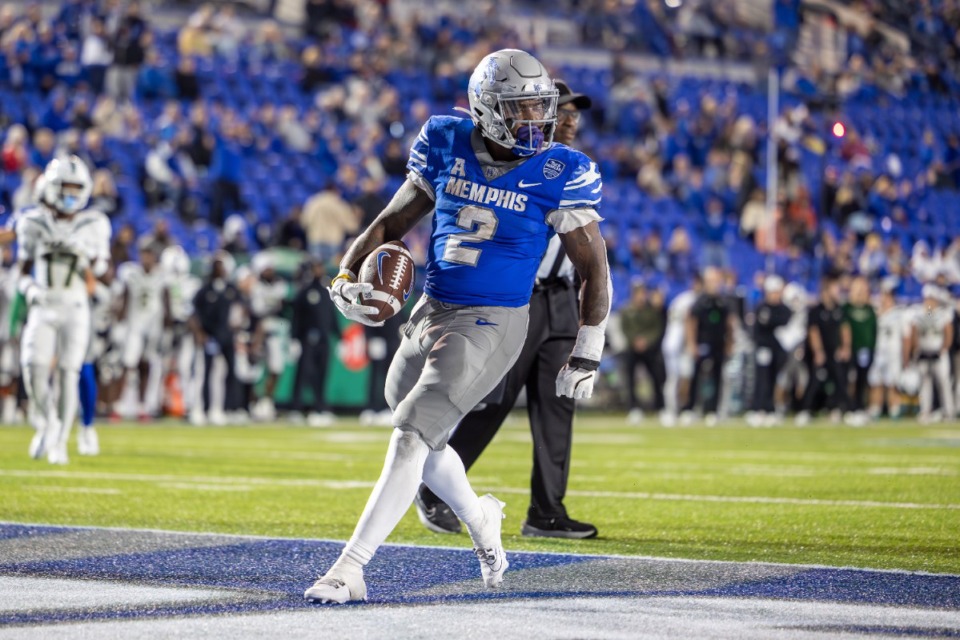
349 484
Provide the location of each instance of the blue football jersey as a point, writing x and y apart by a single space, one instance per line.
490 234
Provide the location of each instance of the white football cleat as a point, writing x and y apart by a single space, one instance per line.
338 587
487 544
323 419
635 416
264 410
667 419
802 419
58 454
37 448
88 444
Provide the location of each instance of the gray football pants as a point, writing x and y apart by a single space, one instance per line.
450 358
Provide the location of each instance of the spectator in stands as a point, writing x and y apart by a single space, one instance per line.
269 45
682 263
394 159
292 131
128 46
44 57
714 250
291 233
15 154
872 263
68 71
44 146
104 196
328 219
226 172
153 80
185 79
80 118
95 54
227 31
315 72
753 215
57 115
643 325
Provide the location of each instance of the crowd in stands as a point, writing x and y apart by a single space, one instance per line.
240 134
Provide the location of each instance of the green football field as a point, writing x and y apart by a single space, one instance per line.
885 496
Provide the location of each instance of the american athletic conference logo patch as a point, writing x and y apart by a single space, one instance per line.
552 169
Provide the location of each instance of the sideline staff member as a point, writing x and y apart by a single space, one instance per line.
554 321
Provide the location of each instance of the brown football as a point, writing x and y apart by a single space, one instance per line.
389 269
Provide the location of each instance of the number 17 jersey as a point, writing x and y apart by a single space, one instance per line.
492 221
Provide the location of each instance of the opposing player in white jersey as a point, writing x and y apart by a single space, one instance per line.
58 257
793 376
678 364
9 342
931 338
267 295
88 444
145 309
893 329
178 346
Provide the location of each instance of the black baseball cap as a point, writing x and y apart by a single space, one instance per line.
579 100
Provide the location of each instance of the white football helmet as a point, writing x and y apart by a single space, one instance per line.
511 87
175 261
67 184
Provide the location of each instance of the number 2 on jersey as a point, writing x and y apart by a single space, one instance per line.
480 224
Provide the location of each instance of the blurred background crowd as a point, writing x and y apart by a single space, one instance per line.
279 128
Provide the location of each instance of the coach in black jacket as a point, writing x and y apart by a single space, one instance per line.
314 321
554 321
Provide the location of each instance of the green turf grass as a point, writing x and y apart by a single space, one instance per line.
885 496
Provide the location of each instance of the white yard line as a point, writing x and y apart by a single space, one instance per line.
107 491
206 481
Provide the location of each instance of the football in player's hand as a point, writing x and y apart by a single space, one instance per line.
389 269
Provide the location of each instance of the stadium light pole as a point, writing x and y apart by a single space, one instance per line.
773 106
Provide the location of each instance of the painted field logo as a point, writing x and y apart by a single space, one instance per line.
552 169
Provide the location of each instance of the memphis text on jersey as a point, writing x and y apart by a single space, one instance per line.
481 193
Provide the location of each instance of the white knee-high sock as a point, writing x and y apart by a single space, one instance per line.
390 499
69 401
36 381
445 475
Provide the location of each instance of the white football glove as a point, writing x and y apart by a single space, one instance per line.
575 382
345 293
576 378
32 293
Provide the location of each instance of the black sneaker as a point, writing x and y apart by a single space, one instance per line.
436 516
557 528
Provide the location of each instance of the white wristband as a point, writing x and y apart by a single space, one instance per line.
589 344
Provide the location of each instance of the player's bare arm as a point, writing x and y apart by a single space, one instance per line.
409 205
690 328
588 253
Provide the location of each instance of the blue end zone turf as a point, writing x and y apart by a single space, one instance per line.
251 574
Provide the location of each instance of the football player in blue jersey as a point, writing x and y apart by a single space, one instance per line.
498 188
